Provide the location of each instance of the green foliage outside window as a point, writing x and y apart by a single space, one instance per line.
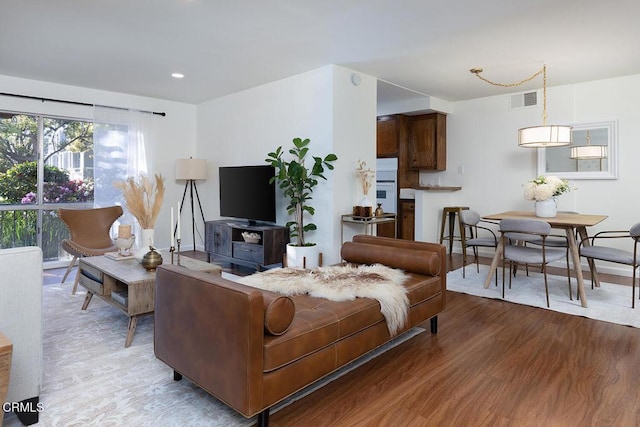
19 179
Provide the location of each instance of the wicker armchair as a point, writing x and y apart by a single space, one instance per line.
88 233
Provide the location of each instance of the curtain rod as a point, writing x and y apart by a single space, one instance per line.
63 101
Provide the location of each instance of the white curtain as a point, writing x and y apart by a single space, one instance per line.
119 139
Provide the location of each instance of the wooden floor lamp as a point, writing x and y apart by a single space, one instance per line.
191 170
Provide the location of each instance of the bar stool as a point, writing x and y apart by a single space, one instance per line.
450 213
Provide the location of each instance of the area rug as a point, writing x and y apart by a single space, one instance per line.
90 379
609 302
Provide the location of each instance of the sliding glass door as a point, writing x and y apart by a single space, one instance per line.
45 163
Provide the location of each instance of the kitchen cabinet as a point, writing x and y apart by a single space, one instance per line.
426 142
387 143
407 219
387 229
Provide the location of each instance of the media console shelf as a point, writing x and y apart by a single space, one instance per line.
223 241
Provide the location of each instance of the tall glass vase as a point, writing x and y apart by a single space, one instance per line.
146 240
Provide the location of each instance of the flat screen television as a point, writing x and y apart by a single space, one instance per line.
245 193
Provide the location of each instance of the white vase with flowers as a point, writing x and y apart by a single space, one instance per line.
544 190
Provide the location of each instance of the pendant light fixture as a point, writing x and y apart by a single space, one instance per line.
536 136
589 152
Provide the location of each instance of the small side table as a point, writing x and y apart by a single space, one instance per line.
6 350
367 221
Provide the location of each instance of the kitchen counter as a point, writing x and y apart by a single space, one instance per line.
438 188
410 193
429 201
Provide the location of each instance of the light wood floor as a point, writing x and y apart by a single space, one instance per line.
492 363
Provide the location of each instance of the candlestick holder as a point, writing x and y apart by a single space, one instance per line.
178 241
172 249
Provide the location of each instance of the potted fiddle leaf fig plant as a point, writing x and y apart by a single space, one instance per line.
297 182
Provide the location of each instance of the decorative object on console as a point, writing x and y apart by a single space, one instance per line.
544 190
151 259
536 136
147 236
190 170
124 245
297 181
365 175
379 211
124 231
250 237
143 198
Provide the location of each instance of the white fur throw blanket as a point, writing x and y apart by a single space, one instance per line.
342 283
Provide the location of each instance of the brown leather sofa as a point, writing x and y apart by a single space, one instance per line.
252 348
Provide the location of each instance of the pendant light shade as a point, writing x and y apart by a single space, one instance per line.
588 152
544 136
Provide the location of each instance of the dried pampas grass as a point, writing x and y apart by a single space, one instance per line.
143 198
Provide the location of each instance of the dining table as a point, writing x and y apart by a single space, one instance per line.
571 223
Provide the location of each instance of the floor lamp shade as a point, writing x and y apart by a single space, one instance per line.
191 169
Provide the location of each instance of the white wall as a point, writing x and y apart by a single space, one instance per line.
354 139
339 117
323 105
175 132
482 137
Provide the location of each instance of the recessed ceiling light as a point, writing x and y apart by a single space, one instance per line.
177 75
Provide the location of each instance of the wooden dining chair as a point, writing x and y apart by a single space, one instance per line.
615 255
539 254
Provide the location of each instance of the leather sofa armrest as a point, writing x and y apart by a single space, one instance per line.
417 261
211 330
408 244
279 311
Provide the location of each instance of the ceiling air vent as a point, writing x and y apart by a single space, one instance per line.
527 99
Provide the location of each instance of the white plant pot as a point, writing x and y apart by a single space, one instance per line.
302 256
546 208
142 246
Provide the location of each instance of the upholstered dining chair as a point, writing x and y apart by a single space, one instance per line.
551 241
615 255
88 233
488 239
529 255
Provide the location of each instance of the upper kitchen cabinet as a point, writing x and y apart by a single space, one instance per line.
388 134
427 141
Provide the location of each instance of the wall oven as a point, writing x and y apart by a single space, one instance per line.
387 184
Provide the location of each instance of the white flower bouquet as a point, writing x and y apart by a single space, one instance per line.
545 187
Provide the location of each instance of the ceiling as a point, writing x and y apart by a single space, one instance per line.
222 47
